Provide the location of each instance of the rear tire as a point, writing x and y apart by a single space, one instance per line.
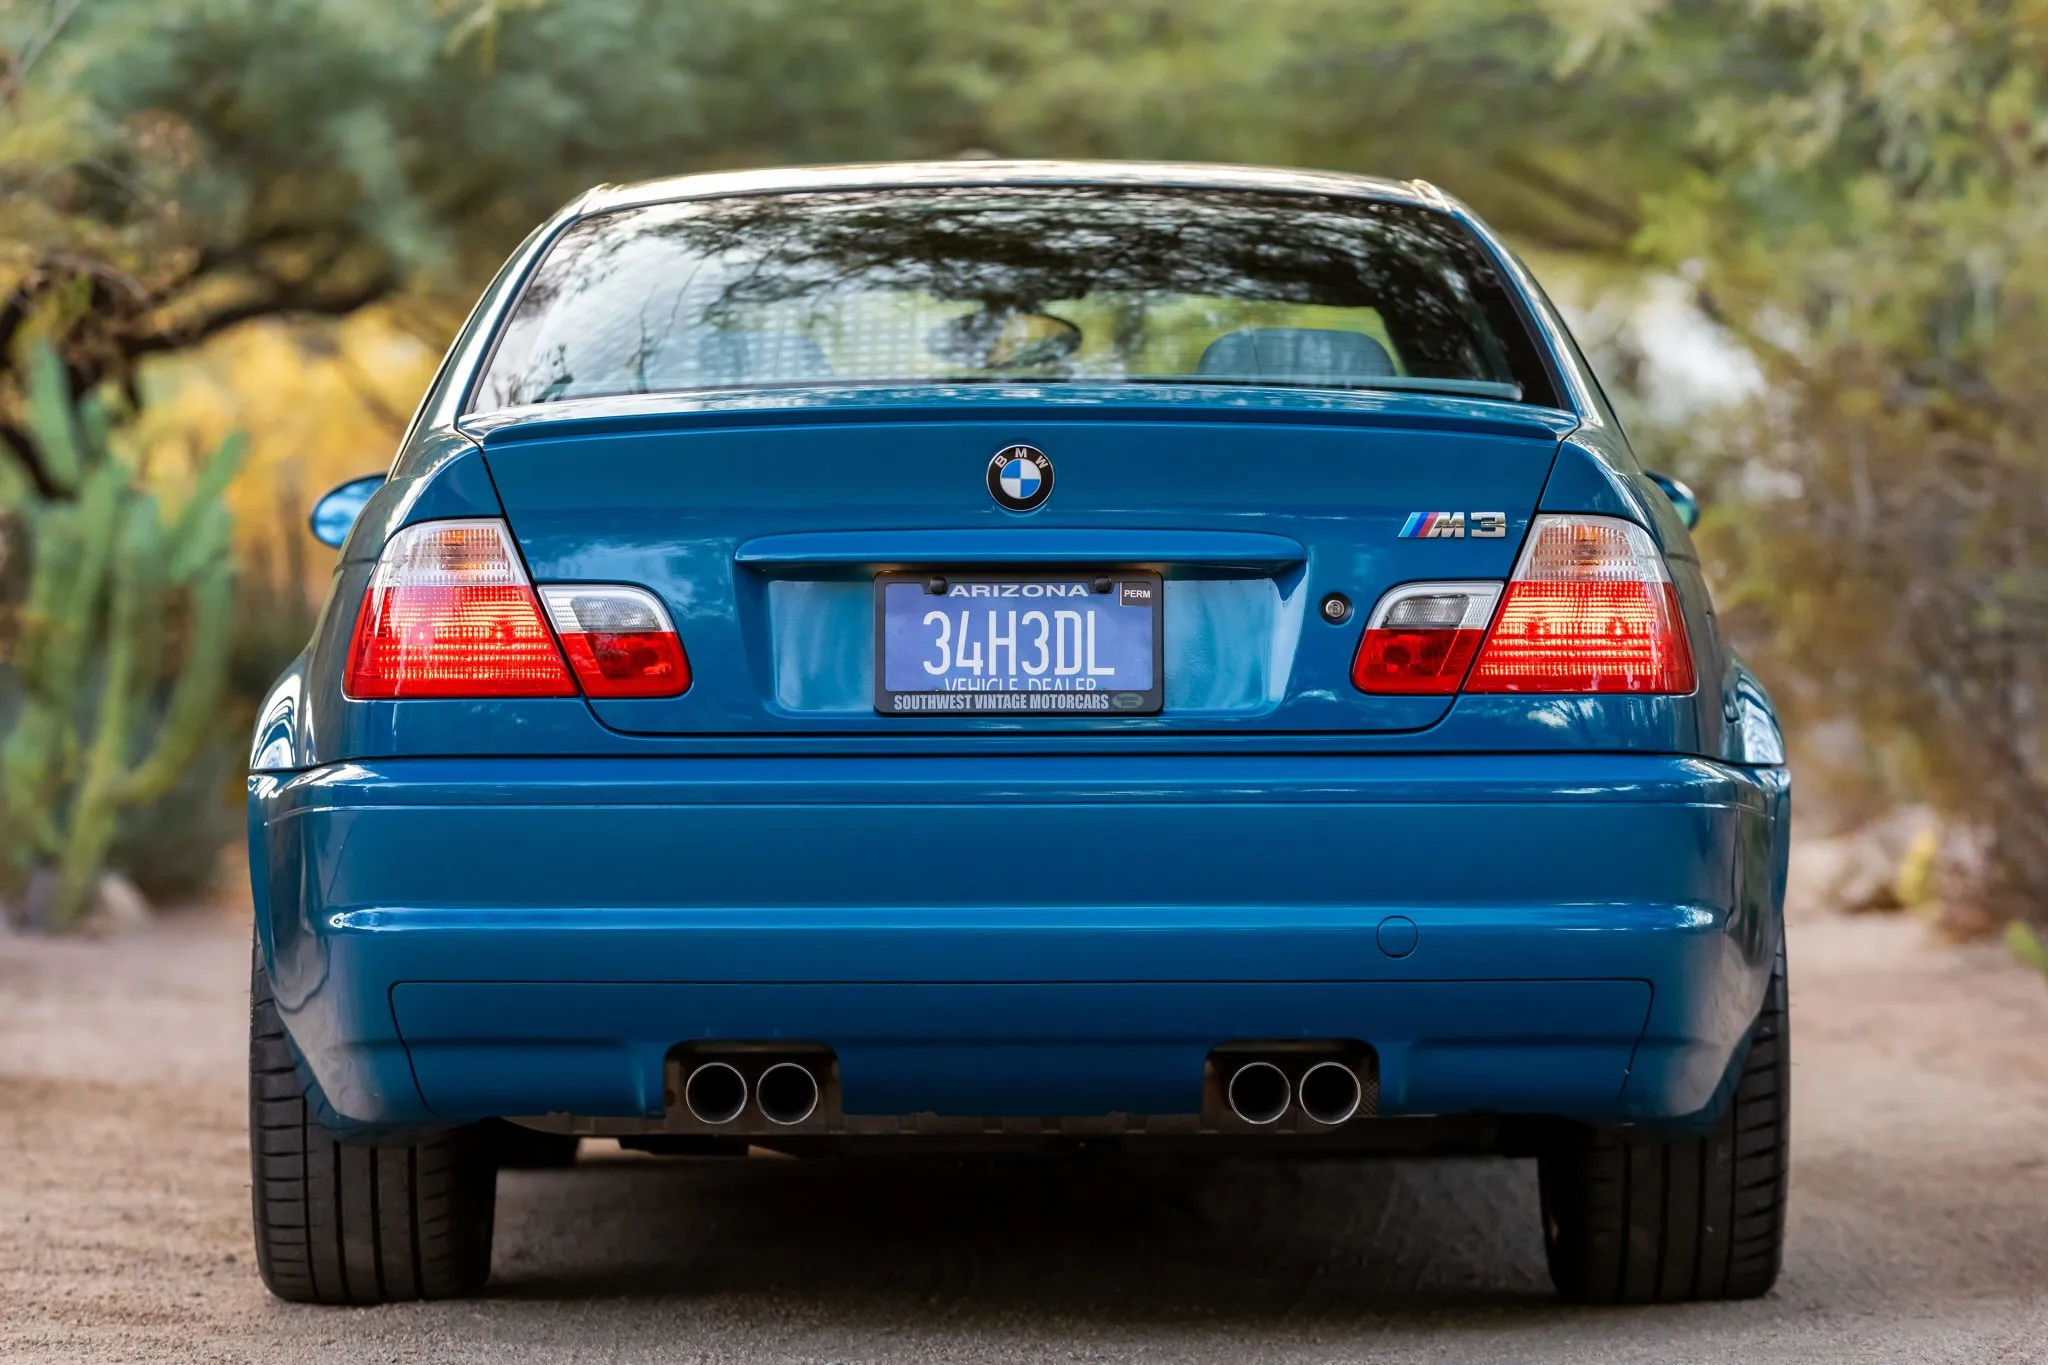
1629 1219
343 1224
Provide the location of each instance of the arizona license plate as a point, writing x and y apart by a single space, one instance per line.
1018 644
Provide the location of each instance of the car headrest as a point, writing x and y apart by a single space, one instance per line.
1295 355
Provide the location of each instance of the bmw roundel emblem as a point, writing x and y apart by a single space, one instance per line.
1020 477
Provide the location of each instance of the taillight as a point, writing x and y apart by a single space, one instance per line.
618 640
1591 608
1421 638
449 613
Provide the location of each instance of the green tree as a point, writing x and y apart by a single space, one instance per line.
171 168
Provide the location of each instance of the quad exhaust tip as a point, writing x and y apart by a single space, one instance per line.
1329 1093
716 1093
787 1093
1259 1093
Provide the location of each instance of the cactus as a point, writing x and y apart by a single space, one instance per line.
107 714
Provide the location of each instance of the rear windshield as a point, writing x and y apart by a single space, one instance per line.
1084 285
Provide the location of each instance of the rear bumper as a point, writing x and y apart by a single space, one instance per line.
1008 936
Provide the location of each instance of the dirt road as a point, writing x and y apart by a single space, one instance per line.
1919 1212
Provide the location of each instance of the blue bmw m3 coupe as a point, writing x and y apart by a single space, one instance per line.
1017 656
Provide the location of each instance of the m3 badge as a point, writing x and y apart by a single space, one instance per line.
1455 526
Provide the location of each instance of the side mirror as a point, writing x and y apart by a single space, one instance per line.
1682 497
338 510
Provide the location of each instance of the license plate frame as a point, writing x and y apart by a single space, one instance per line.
1129 590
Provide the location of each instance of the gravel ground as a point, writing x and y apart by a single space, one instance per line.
1919 1228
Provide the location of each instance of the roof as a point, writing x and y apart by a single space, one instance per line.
906 174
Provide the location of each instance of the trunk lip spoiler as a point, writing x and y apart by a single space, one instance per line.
1007 403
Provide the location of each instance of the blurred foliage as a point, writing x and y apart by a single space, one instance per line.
1874 235
271 212
324 400
118 650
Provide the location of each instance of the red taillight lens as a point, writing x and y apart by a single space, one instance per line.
1414 661
1421 638
1591 609
619 641
449 613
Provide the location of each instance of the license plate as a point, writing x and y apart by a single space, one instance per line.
1048 644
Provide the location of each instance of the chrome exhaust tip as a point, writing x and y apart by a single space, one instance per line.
1258 1093
787 1093
716 1093
1329 1093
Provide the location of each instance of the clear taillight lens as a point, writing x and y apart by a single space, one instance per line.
619 641
1591 608
449 613
1421 637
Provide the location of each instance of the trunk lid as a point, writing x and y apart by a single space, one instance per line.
763 521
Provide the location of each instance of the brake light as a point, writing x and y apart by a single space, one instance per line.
618 640
1421 637
449 613
1591 608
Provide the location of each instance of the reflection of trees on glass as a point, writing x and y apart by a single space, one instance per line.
1085 284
